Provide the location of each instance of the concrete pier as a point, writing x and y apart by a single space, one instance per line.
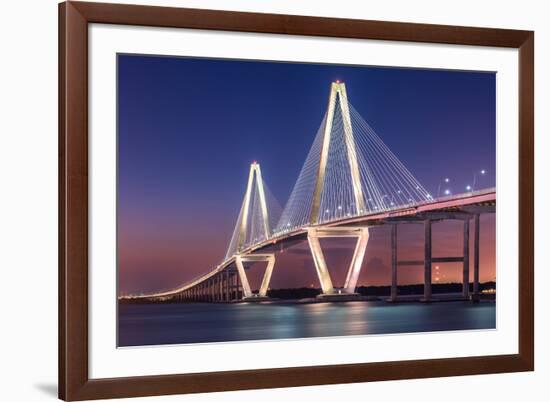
427 260
393 295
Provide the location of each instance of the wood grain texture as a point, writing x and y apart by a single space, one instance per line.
73 196
526 201
74 382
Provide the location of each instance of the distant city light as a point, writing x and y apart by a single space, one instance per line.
446 179
483 171
447 192
468 187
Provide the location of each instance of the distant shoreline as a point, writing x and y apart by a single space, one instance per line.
373 292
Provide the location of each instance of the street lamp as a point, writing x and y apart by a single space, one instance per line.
446 180
481 172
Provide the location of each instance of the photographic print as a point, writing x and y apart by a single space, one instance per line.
266 200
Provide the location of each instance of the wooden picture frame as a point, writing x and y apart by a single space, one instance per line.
74 381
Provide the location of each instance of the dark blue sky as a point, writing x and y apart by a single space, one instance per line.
189 129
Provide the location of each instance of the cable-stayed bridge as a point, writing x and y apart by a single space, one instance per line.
350 181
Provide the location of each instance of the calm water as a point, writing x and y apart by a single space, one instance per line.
157 324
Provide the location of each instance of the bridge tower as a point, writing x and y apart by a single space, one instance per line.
255 172
338 97
254 204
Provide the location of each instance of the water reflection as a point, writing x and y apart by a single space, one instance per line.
153 324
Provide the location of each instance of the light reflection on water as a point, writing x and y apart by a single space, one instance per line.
155 324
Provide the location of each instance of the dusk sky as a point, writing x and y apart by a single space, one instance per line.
189 129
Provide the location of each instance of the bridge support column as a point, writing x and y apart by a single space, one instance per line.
226 286
222 286
313 236
227 289
475 293
239 287
239 262
320 264
232 286
236 287
393 294
228 283
218 288
427 260
214 288
466 266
